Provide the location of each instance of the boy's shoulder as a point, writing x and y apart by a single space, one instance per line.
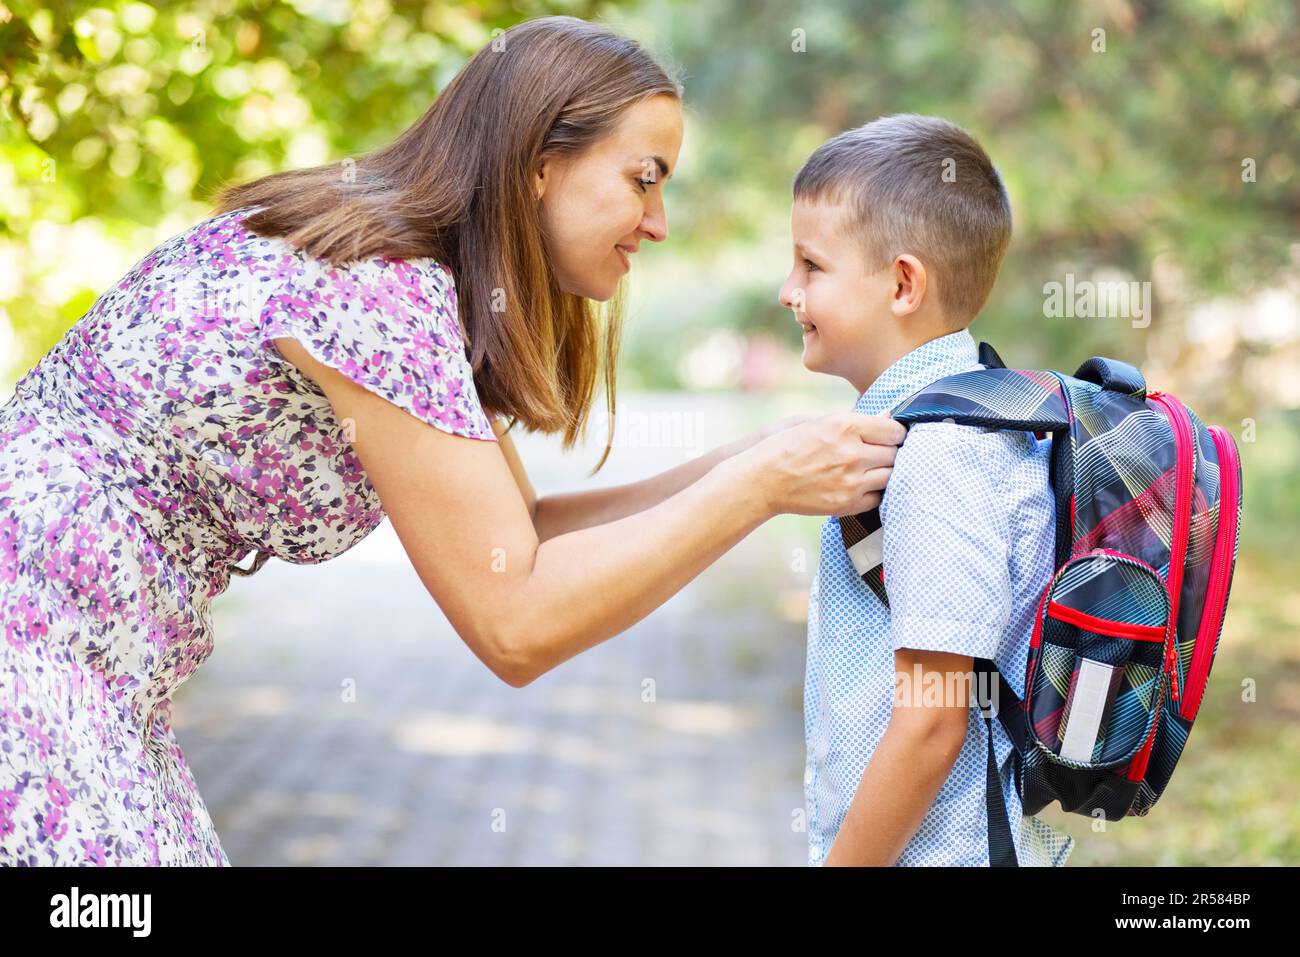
944 464
936 443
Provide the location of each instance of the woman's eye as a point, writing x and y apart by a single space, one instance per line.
643 183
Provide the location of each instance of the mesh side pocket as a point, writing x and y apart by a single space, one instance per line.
1097 672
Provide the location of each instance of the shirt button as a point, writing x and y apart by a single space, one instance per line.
807 776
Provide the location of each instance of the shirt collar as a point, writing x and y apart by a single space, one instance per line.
927 363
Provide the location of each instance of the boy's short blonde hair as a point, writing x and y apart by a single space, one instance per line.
920 185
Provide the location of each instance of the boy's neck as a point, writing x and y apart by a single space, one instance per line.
890 352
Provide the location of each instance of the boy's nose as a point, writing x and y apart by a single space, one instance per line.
788 294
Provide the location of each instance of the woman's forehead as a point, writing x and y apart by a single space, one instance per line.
650 130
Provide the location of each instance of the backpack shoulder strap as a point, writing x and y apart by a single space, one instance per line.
1026 400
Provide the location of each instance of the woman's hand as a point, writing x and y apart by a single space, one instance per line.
835 464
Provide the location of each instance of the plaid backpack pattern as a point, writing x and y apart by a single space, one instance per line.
1148 504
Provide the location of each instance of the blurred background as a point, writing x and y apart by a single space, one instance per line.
340 720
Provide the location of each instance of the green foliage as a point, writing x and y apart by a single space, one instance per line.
118 114
1127 160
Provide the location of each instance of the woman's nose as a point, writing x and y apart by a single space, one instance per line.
655 222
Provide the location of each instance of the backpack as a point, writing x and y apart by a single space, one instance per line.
1148 506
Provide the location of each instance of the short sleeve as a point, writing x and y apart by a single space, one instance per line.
390 326
946 545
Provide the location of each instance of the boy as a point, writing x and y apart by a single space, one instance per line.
899 227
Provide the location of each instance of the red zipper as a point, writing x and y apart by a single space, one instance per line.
1220 574
1105 626
1035 641
1183 438
1036 637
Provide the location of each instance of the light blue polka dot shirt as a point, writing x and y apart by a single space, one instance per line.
968 548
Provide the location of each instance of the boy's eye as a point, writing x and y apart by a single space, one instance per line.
810 264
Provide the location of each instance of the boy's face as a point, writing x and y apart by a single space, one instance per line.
841 303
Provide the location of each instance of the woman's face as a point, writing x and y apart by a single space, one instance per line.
597 206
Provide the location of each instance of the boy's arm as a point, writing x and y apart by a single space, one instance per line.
946 563
907 769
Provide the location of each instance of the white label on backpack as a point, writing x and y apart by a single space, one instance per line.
1088 703
869 552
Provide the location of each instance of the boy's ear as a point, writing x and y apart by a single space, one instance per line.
909 285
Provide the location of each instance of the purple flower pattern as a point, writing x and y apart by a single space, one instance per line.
159 442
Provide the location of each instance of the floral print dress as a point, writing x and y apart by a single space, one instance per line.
160 442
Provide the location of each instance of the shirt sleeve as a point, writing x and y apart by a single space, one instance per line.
946 545
390 326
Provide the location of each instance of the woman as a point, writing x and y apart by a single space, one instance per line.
331 347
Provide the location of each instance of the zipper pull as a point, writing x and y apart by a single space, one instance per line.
1171 661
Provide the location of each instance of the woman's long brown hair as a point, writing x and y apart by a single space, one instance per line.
457 186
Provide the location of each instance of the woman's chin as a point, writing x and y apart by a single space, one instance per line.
597 292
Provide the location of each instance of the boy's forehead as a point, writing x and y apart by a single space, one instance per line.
818 223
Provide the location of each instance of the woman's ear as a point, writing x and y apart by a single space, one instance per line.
548 171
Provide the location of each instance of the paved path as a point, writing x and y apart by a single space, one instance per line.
341 721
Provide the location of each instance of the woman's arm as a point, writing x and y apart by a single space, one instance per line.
507 443
569 511
522 605
564 512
